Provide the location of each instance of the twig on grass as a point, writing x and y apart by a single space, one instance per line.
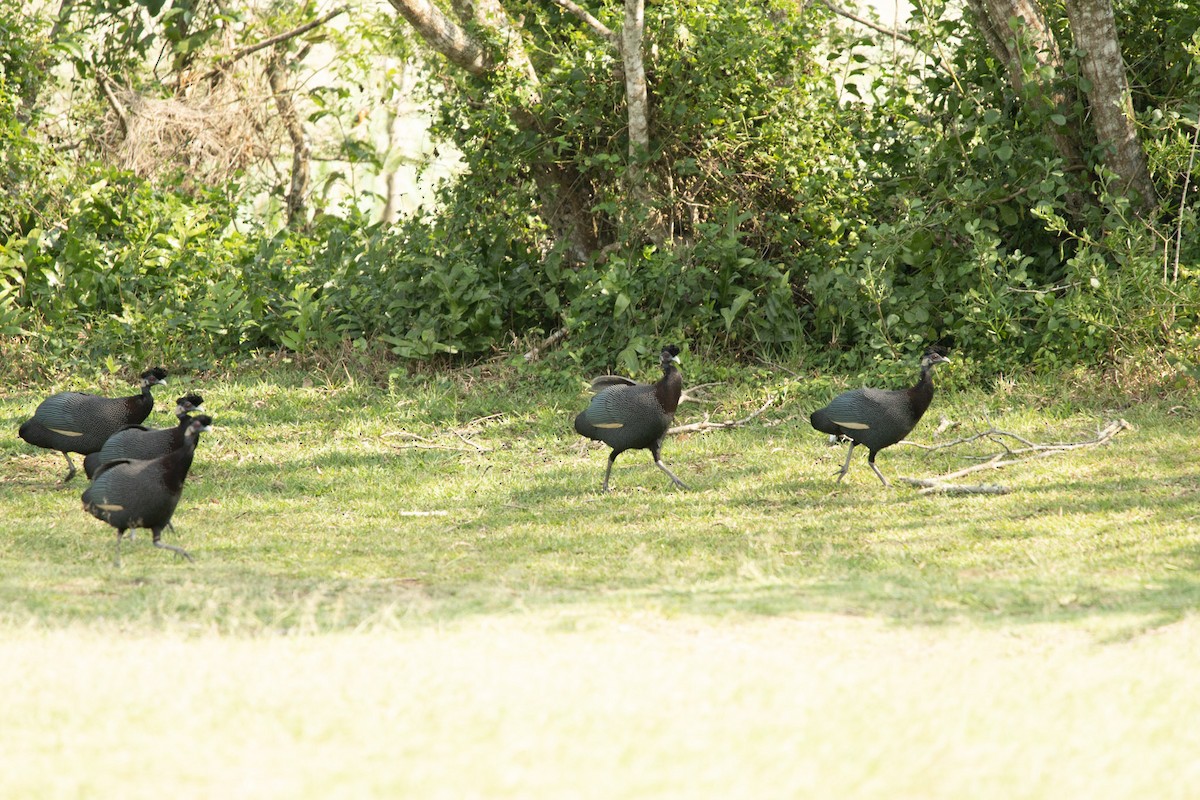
1008 457
934 485
705 425
478 448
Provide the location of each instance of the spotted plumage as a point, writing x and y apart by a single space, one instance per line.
131 494
140 442
878 418
633 416
74 422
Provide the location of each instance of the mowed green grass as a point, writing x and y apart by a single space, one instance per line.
419 591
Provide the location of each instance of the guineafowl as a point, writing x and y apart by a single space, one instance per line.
74 422
634 416
138 441
143 493
878 418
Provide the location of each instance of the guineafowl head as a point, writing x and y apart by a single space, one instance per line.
199 424
157 376
933 355
670 354
188 403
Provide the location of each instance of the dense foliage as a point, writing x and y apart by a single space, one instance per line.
819 206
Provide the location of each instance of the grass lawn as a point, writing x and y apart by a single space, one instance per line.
418 591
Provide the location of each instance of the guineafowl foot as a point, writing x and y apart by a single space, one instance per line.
846 466
179 551
70 469
878 473
607 473
671 475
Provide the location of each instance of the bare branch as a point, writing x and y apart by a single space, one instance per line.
841 12
548 342
273 40
997 461
106 89
713 426
585 16
1182 200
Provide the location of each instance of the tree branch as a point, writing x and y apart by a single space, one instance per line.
892 32
237 55
997 461
106 89
602 30
713 426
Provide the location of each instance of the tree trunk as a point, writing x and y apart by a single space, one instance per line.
628 45
637 105
565 200
1095 33
1034 33
297 194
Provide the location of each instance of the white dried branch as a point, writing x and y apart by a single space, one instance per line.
1009 457
585 16
548 342
713 426
931 485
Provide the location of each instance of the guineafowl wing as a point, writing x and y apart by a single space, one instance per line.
608 381
60 412
624 417
130 494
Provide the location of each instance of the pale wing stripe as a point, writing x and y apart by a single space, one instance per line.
67 433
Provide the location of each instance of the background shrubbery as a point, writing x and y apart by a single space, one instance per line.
807 223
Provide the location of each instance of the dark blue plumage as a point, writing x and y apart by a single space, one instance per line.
878 418
140 442
144 493
634 416
74 422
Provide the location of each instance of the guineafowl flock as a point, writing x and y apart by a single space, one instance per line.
137 473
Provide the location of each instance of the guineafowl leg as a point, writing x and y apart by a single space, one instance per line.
611 458
70 467
871 463
659 463
846 466
117 557
177 550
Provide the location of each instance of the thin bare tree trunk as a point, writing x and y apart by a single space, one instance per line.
564 197
628 44
1010 47
297 195
636 94
1095 33
637 104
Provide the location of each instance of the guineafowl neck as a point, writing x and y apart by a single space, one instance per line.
921 395
178 464
668 389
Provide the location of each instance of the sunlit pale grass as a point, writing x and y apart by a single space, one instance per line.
588 704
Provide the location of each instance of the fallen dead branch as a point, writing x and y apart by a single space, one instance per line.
933 485
1030 451
705 425
547 343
